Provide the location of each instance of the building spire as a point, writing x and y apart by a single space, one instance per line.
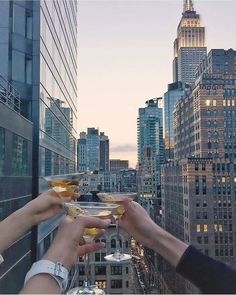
188 5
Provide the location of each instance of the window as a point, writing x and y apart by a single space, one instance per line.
113 243
198 228
81 270
20 156
199 240
100 270
18 66
28 69
203 166
19 18
101 284
97 256
205 228
29 24
126 270
116 284
127 284
116 270
198 215
204 215
204 203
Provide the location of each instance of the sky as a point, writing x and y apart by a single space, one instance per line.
125 53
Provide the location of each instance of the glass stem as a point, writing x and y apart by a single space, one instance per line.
117 236
87 282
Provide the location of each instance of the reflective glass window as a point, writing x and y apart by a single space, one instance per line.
18 66
19 20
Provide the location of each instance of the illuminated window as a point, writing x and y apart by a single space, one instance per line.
214 103
208 102
205 228
101 284
234 179
198 228
220 228
223 179
224 103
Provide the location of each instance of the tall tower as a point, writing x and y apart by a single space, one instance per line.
38 56
188 5
189 46
199 185
150 146
104 152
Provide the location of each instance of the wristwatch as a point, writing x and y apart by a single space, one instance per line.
55 270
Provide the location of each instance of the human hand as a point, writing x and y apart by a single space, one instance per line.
66 247
138 223
45 206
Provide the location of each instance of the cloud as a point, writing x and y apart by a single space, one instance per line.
123 148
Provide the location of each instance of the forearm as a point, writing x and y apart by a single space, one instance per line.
13 227
41 284
168 246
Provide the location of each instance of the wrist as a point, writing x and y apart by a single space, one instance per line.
62 254
168 246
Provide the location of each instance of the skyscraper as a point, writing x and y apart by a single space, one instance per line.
150 136
189 46
198 188
93 151
104 152
174 93
38 55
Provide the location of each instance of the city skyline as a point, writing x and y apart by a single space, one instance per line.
123 60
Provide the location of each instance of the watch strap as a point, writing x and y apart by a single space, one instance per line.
55 270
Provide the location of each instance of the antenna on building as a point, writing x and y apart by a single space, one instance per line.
188 5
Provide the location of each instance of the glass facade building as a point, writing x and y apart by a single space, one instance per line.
38 55
150 136
174 93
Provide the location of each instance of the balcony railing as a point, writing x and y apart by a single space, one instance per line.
9 95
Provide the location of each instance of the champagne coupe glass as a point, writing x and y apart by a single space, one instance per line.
117 198
66 185
95 209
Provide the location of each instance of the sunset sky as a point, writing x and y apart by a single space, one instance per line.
125 58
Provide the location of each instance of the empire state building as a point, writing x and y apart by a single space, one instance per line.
189 46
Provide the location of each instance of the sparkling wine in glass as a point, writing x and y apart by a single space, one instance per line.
117 198
65 185
95 209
